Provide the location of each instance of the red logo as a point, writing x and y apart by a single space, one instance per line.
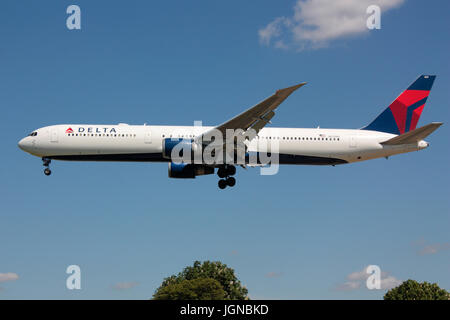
69 130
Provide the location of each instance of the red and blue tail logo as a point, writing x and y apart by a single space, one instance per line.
403 114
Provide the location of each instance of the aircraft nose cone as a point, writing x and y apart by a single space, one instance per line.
23 144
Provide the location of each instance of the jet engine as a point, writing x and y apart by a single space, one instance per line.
188 170
178 148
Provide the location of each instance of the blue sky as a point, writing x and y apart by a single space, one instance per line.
296 235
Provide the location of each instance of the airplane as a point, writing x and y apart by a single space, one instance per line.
390 133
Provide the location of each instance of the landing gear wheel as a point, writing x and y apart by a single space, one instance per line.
225 174
231 181
221 173
231 170
46 161
222 184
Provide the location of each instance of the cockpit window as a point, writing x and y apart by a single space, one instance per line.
33 134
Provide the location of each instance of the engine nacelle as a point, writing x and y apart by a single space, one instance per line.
184 149
188 170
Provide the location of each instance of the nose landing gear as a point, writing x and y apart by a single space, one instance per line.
46 163
225 173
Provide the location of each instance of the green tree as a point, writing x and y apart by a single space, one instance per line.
209 270
413 290
196 289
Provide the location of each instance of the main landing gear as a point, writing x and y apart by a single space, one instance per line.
225 173
46 163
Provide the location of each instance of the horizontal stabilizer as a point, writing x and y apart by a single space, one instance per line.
414 136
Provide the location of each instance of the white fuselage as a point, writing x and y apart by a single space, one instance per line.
144 143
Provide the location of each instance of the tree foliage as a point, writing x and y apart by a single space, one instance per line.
413 290
196 289
208 270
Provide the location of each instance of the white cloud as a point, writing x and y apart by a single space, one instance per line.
358 275
357 279
9 276
434 248
125 285
389 283
349 286
315 23
272 30
423 248
274 274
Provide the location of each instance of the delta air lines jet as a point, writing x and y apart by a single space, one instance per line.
392 132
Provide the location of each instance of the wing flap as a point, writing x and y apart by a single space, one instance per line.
262 121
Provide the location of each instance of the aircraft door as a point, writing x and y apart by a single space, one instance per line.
54 135
353 142
148 136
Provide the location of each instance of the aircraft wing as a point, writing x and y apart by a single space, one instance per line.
257 116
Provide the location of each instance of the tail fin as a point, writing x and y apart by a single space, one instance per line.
403 114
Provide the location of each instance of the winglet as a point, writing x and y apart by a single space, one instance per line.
284 93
